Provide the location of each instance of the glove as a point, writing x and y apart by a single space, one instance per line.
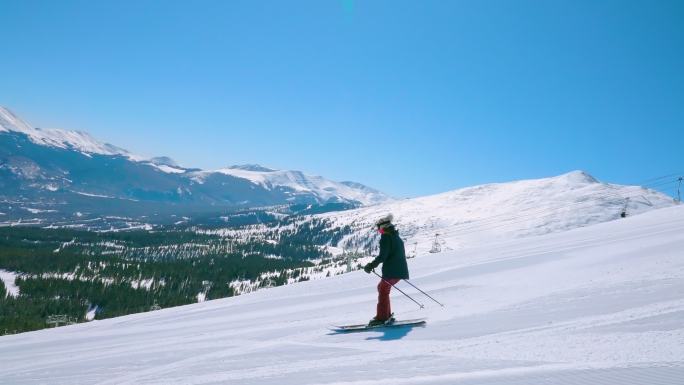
368 268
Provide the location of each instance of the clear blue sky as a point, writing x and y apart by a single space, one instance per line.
412 97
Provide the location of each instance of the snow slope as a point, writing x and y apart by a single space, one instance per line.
480 214
596 305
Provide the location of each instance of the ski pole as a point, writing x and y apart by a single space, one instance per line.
428 295
401 291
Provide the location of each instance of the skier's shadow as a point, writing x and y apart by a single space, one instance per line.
391 334
388 334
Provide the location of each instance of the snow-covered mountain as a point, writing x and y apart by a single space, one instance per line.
65 139
477 215
51 174
595 305
298 183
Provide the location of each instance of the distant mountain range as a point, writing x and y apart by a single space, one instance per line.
53 175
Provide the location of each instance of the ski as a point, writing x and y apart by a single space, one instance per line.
365 327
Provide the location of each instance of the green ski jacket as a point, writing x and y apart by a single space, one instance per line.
392 255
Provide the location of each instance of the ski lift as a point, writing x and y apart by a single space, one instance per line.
436 246
623 214
415 250
350 261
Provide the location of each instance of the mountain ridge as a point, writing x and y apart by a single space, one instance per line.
54 170
472 215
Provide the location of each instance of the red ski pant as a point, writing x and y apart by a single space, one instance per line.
384 308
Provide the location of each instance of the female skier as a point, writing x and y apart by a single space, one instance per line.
394 268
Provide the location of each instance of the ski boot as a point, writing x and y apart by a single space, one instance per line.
378 322
390 320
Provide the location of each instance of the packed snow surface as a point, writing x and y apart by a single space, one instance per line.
600 304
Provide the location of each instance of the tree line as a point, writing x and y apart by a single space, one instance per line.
68 272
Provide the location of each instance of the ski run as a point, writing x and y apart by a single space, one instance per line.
600 304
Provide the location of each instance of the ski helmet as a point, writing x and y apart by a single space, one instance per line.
384 221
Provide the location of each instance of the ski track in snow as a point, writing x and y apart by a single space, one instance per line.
595 305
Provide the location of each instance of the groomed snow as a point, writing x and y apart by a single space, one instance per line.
595 305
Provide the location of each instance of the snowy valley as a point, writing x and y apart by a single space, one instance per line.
543 279
595 305
563 279
196 260
342 193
